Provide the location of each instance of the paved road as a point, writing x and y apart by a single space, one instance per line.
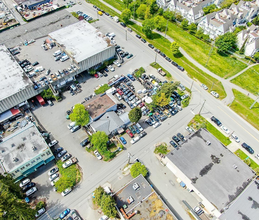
98 172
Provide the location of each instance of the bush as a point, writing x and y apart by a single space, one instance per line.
75 14
185 102
40 205
161 149
137 169
102 89
139 72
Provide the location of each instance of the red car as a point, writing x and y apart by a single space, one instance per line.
141 104
129 133
96 75
119 91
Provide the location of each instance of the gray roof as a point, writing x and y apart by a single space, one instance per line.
219 182
246 206
108 123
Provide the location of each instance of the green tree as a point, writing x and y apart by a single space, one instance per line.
160 99
125 15
127 2
135 114
179 17
99 140
256 56
64 183
185 24
257 171
199 34
98 194
147 27
168 88
137 169
160 11
227 3
226 42
160 23
147 13
12 207
153 6
161 149
255 21
108 206
141 11
47 94
133 8
92 71
174 47
192 28
209 9
169 15
80 115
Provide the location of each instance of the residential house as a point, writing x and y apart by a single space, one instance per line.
249 40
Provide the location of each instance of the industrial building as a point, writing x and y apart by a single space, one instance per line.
23 152
208 169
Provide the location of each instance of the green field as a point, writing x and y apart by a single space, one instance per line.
116 4
243 157
103 7
199 122
249 80
194 72
241 106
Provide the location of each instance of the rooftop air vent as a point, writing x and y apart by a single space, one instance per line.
34 148
24 138
15 159
13 145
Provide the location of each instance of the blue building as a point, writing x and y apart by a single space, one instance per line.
23 152
32 4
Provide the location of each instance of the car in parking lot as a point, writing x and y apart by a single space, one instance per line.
204 86
134 140
35 63
66 157
142 134
122 24
131 77
173 144
151 46
143 40
52 183
216 121
138 36
157 124
85 142
60 154
248 148
235 137
53 143
215 94
31 191
53 171
176 139
129 133
64 213
98 155
24 182
129 56
180 136
225 129
66 191
53 176
189 129
74 129
123 140
111 68
40 212
28 186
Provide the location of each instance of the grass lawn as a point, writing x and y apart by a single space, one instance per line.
249 80
223 66
241 106
69 176
200 122
243 157
194 72
118 4
102 89
157 66
104 7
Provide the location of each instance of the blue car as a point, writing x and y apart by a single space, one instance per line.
131 77
123 140
64 214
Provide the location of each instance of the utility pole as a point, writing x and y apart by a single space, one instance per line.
202 107
212 86
211 49
155 57
254 102
129 156
191 85
166 27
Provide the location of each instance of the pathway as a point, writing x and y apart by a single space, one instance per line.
228 86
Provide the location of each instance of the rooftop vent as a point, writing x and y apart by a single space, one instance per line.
32 133
3 151
13 145
15 159
34 148
24 138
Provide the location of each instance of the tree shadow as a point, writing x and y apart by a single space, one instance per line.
155 36
178 55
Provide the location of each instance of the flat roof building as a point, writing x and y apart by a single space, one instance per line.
214 173
22 152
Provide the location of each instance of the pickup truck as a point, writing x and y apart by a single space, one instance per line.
69 162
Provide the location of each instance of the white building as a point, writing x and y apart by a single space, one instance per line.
249 40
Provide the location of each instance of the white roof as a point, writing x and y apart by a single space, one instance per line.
81 40
12 78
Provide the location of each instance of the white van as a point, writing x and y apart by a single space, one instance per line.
71 125
58 52
64 58
139 127
118 96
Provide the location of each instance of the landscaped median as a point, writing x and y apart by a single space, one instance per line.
101 89
199 122
241 105
254 166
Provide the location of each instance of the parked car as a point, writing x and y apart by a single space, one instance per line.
216 121
28 186
52 183
248 148
151 46
143 134
66 191
40 212
225 129
204 86
179 135
53 171
85 142
69 162
143 40
74 129
24 182
53 143
215 94
135 139
98 155
173 144
31 191
60 154
65 157
64 213
157 124
235 137
138 36
123 140
189 129
176 139
129 133
129 56
122 24
53 176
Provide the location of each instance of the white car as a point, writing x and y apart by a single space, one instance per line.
189 129
40 212
139 127
157 124
52 183
67 164
111 68
134 140
24 182
53 171
66 157
31 191
53 143
66 191
225 129
98 155
204 86
53 176
215 94
235 138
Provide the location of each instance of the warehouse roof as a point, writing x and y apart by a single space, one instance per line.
81 40
219 175
12 77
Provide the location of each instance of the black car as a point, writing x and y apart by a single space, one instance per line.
176 139
106 13
148 121
216 121
162 54
143 134
173 144
177 95
122 24
174 63
168 59
28 186
143 40
248 148
94 6
151 46
164 117
180 68
35 63
58 150
85 142
105 74
138 36
158 51
180 136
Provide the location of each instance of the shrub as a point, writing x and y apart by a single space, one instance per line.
102 89
40 205
161 149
